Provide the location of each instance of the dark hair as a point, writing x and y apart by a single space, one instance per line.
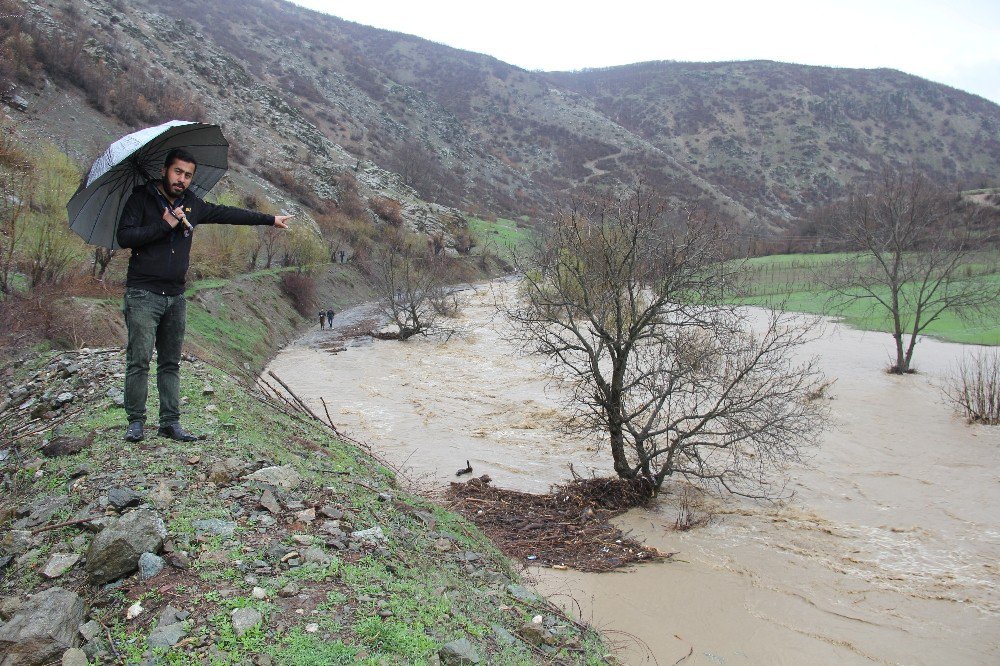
179 154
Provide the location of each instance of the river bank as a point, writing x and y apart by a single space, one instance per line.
886 553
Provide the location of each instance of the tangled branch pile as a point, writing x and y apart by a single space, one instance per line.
568 527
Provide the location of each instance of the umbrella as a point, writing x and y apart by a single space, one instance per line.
96 207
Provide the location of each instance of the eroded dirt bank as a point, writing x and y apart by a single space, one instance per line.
887 553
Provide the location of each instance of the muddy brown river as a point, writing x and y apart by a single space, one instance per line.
888 552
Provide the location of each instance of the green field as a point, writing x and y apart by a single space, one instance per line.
504 237
795 283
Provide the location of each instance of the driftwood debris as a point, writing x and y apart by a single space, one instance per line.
569 527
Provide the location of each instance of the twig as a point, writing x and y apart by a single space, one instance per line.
66 524
295 397
329 420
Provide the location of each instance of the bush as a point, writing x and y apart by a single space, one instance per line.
389 210
300 288
975 387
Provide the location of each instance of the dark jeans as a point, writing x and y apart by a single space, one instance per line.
154 321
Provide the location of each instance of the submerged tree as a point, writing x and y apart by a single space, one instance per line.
632 312
412 290
913 253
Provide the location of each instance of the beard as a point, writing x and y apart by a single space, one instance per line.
173 189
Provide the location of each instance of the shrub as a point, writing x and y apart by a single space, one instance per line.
389 210
300 288
975 387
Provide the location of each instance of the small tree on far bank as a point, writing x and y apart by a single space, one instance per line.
913 252
631 311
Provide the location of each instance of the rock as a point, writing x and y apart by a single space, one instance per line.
63 398
122 498
534 632
167 634
290 590
43 629
115 551
316 555
74 657
373 535
259 593
330 511
277 551
134 611
442 545
245 619
150 565
306 515
460 651
284 477
64 446
9 606
161 496
224 471
312 628
59 564
44 509
171 615
522 594
504 637
224 528
207 389
90 630
269 502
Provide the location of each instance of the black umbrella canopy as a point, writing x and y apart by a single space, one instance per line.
132 160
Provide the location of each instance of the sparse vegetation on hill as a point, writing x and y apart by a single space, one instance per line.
307 99
271 540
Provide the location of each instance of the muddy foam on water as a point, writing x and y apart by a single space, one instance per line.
888 551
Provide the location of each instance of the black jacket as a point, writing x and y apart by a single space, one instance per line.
160 255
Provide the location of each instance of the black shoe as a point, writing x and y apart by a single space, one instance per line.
175 431
134 432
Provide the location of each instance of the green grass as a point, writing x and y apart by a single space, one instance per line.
794 283
505 237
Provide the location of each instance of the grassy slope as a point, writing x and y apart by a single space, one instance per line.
395 605
792 281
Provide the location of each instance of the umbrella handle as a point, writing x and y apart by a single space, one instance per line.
182 219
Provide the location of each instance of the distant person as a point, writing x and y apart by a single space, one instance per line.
329 318
158 224
322 318
342 253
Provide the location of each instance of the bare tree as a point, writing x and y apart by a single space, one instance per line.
412 290
913 249
631 312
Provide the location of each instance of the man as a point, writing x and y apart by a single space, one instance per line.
158 224
329 319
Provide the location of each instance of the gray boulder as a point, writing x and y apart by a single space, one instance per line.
43 629
460 651
284 477
245 619
115 551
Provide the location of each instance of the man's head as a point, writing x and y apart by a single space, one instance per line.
178 170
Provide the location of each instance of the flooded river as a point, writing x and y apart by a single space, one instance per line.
889 551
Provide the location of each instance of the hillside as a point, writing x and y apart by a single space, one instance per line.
272 540
306 97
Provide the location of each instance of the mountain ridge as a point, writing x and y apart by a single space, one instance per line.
312 96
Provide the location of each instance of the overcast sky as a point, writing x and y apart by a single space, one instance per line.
955 42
